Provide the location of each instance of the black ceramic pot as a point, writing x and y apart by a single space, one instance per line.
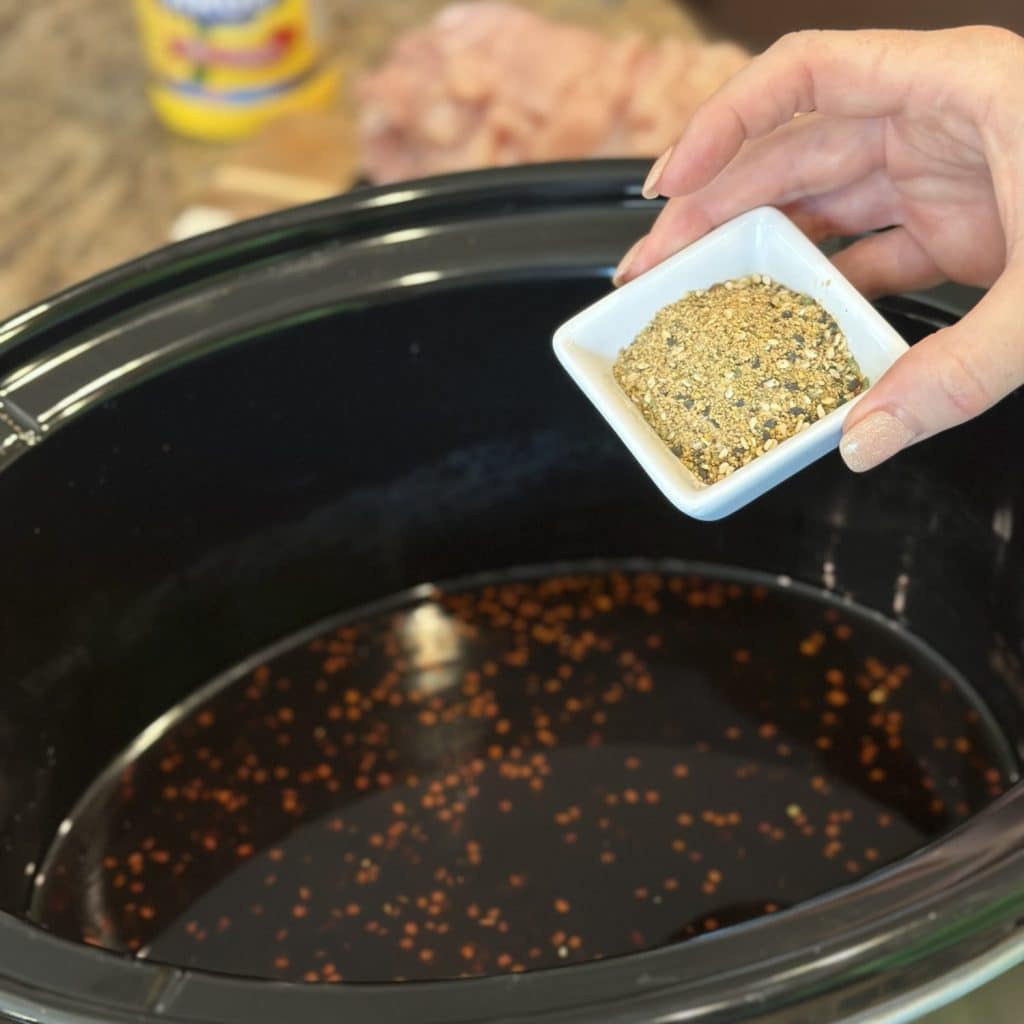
220 443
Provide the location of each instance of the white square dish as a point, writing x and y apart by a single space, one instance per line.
762 241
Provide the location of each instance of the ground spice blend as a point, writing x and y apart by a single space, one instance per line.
725 374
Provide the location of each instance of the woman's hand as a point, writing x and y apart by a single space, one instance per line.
922 133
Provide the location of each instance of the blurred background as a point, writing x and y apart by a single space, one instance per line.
381 90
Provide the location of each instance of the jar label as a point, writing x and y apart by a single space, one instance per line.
224 47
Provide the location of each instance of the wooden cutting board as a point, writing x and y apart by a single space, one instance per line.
296 160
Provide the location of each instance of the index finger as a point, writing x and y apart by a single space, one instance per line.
844 74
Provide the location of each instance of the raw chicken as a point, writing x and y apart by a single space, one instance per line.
489 83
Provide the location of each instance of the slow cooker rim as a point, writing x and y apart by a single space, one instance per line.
284 231
651 983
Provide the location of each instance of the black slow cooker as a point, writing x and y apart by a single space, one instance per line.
227 440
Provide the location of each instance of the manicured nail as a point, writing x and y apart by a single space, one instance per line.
650 189
624 264
876 438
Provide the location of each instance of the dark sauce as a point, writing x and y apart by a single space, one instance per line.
535 771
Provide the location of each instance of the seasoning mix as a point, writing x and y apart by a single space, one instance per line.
726 374
536 771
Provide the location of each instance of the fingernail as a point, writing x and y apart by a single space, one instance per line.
624 264
876 438
650 189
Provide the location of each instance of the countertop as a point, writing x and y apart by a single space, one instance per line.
91 179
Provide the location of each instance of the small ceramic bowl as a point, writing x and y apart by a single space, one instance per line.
763 241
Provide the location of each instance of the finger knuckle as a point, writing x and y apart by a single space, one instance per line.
961 384
799 40
993 36
1001 50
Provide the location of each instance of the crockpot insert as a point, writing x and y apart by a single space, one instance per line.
508 710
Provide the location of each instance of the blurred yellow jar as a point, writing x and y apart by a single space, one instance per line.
221 69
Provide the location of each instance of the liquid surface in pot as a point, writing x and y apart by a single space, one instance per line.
540 769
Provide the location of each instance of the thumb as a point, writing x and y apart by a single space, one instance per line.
944 380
